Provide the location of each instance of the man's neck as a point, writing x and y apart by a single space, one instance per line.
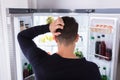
66 51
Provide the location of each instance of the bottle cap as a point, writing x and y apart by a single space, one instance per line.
104 68
21 21
98 36
25 63
103 35
92 37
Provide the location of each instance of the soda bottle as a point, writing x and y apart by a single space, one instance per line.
25 70
102 47
97 44
29 67
104 75
22 26
92 45
108 54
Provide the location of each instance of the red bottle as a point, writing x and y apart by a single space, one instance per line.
25 70
102 47
108 54
97 45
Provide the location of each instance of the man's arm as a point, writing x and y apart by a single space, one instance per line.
27 45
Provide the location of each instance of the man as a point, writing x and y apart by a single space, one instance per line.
63 65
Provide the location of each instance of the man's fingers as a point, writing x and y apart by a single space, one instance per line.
59 27
57 33
57 24
59 21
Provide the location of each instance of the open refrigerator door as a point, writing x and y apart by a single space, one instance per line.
24 69
103 45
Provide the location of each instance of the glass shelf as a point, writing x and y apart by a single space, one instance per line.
102 57
31 77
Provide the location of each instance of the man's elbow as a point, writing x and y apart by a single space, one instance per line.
19 36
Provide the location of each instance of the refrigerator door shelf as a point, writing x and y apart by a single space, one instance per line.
31 77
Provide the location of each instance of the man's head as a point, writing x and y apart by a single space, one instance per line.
70 31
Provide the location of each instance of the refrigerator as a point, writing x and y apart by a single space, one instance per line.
98 42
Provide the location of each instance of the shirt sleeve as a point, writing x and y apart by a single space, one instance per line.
27 45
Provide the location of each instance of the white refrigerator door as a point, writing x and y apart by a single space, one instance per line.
107 25
18 51
19 57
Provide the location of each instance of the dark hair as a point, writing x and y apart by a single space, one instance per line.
69 32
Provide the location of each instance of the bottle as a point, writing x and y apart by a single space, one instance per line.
97 45
104 75
102 46
29 67
92 47
26 26
25 70
22 26
108 54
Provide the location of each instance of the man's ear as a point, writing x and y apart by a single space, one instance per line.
77 38
55 38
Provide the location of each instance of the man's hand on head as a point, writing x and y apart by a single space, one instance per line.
57 24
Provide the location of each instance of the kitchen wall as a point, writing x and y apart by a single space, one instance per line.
74 4
71 4
16 3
